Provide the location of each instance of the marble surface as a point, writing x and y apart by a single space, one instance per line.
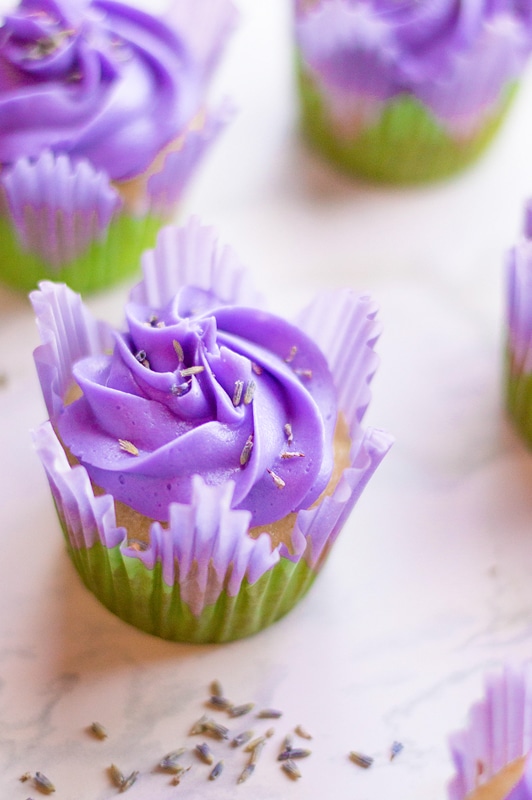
429 585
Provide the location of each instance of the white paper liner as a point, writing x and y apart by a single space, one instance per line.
519 306
58 207
192 254
498 731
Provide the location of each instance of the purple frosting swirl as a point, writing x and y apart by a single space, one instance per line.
454 56
198 387
97 80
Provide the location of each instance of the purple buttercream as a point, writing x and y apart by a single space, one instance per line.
101 80
498 732
171 389
454 57
183 423
211 526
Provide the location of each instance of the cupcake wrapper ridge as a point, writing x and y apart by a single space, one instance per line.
203 559
399 141
68 333
519 299
519 331
61 219
192 254
204 25
203 536
58 207
499 731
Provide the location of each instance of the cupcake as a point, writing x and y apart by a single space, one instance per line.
492 755
519 332
204 459
407 91
102 123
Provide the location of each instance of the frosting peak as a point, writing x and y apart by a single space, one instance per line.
228 392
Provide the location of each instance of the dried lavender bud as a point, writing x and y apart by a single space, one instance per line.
239 711
246 773
43 783
216 771
217 730
360 759
300 730
170 761
288 743
216 688
241 739
254 743
219 701
98 730
128 782
291 769
293 752
205 753
269 713
117 776
199 725
395 750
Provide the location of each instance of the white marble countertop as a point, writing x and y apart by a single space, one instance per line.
429 585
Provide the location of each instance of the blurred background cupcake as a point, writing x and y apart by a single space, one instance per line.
492 754
102 123
204 460
407 91
518 353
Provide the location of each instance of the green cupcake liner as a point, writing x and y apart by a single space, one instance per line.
105 262
140 596
405 146
519 400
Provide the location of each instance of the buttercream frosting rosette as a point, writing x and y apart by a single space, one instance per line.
214 450
102 123
492 755
407 91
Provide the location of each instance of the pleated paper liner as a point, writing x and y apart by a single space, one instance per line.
175 585
146 601
519 400
405 145
518 350
103 263
490 754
